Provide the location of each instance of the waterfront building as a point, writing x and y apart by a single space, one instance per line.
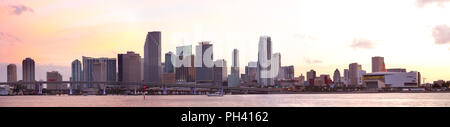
152 57
220 71
129 69
88 69
28 72
76 74
169 66
378 64
379 80
204 67
54 76
353 75
11 73
264 57
234 76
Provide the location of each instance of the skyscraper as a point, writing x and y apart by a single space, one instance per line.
264 57
129 67
346 79
220 71
88 63
310 76
28 72
378 64
170 68
234 76
184 65
11 73
204 62
251 72
152 57
99 74
337 76
76 73
353 73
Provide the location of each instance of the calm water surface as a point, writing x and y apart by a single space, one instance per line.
270 100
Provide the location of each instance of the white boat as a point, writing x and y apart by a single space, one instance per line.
217 94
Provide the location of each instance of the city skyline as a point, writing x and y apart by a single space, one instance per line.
303 45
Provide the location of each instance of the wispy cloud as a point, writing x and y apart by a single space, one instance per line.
423 3
6 38
19 9
363 44
310 61
441 34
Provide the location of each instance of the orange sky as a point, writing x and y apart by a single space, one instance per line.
331 33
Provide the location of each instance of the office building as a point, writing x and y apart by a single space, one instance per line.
204 62
129 69
28 72
76 74
152 57
378 64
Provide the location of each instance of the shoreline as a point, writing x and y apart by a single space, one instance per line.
358 92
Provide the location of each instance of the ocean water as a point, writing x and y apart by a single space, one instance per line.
258 100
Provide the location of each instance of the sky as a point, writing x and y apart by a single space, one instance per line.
323 35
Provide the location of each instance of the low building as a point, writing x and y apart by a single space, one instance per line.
54 76
378 80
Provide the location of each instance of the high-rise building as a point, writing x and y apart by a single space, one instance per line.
152 57
324 80
220 71
378 64
234 76
11 73
99 74
310 77
353 74
142 69
286 73
301 79
129 68
54 76
88 63
169 66
337 76
204 67
251 72
184 65
264 64
76 74
28 72
361 73
346 79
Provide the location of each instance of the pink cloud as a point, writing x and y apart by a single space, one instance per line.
441 34
19 9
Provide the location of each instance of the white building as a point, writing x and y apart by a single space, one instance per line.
391 79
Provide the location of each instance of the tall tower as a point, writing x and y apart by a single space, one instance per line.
204 67
11 73
28 72
264 53
234 76
170 68
76 73
378 64
152 57
337 76
129 67
353 73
